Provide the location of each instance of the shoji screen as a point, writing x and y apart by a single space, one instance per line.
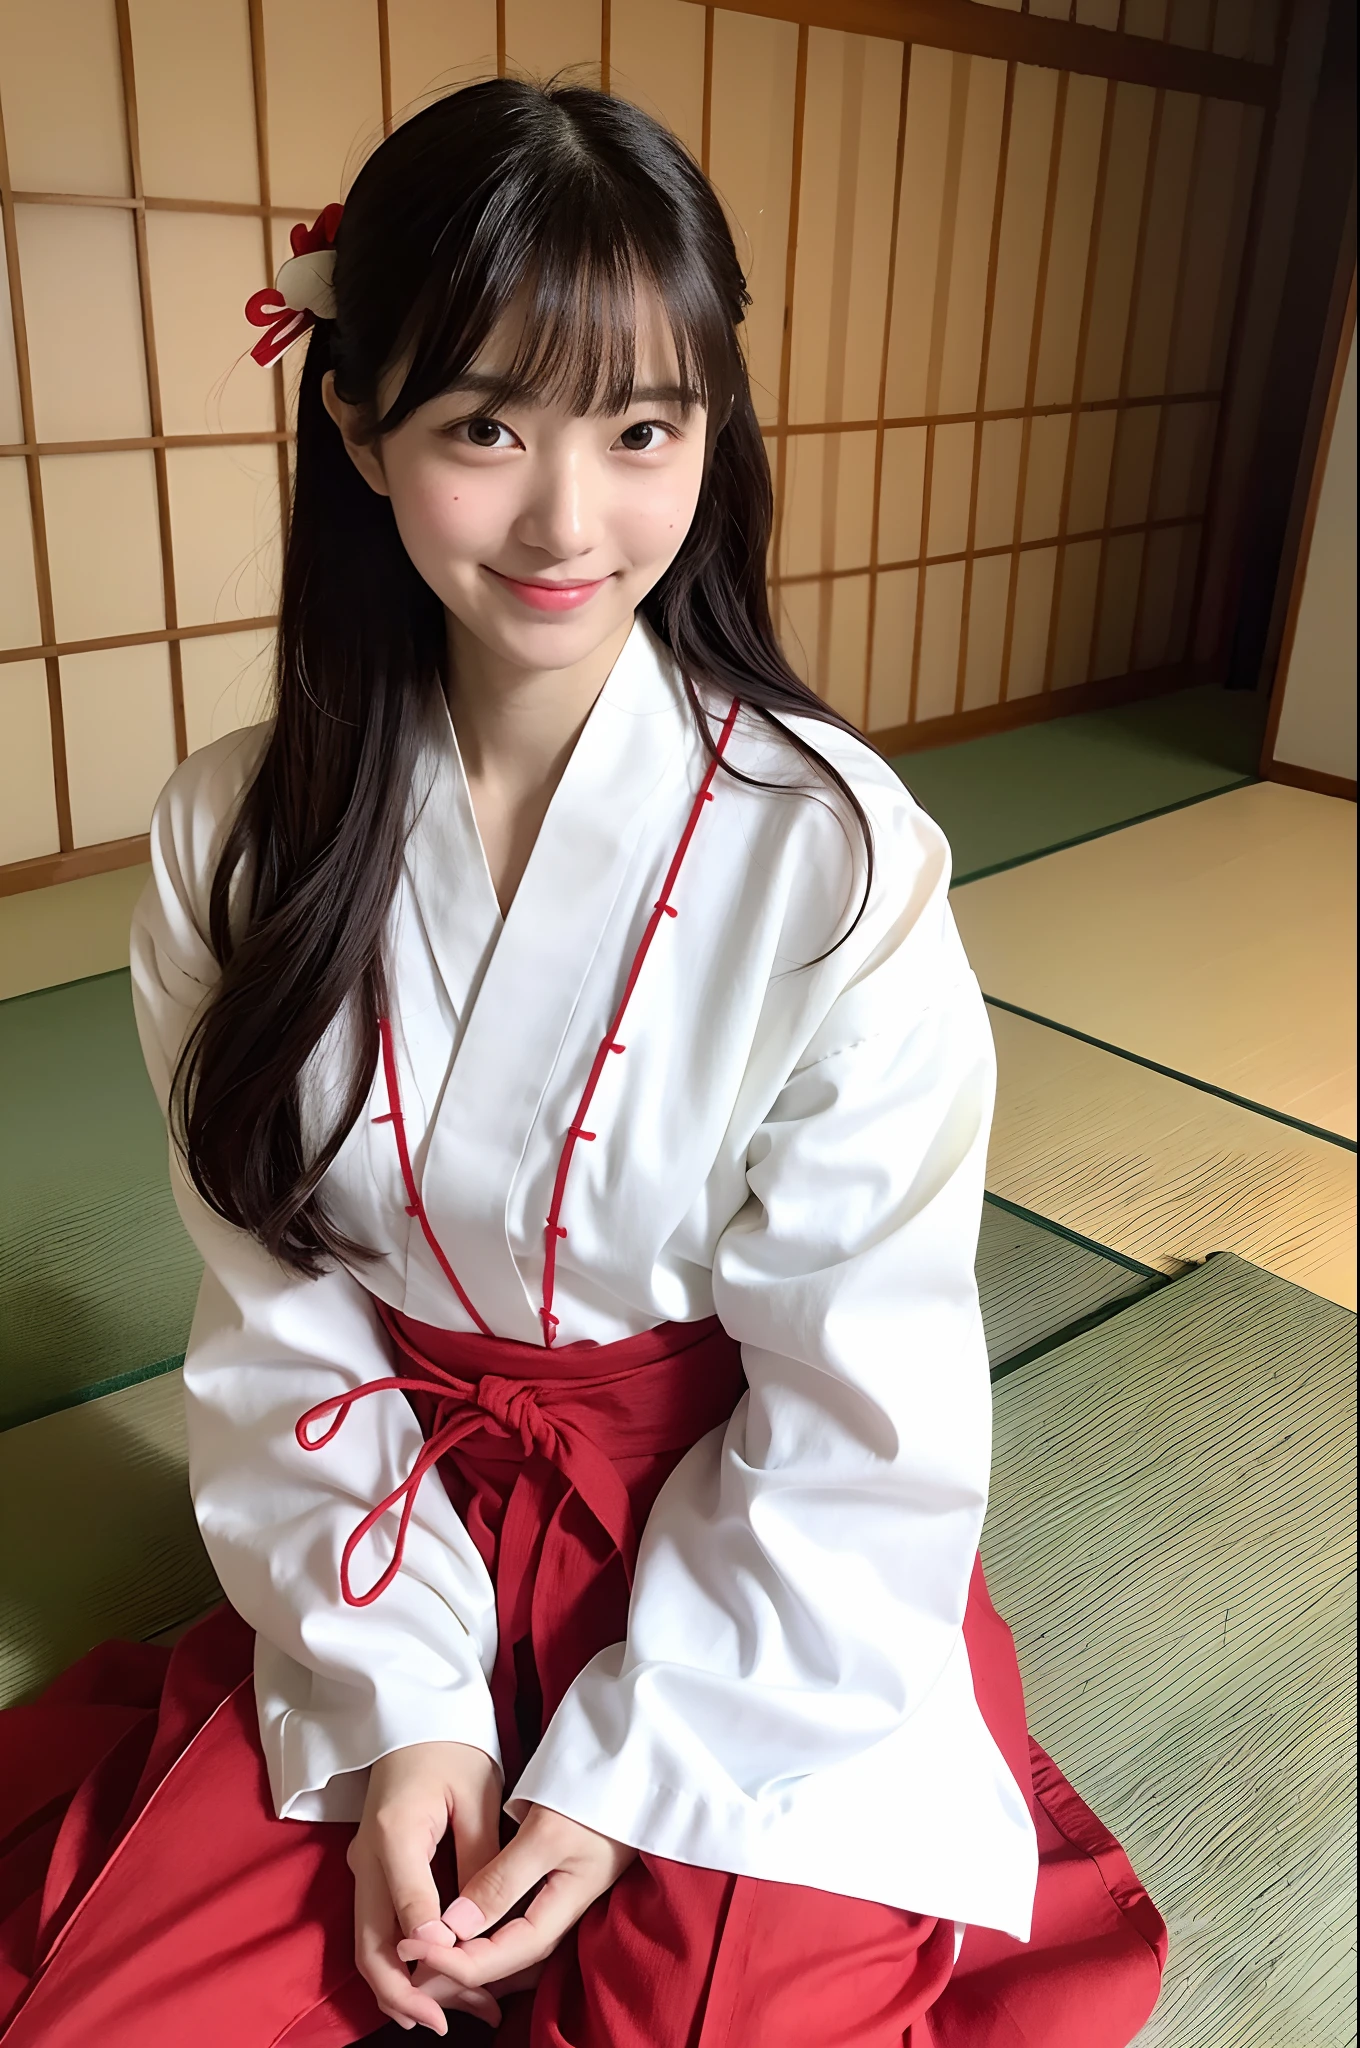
994 296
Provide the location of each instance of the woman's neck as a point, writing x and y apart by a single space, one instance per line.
516 729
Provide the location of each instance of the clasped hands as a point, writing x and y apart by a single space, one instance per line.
415 1795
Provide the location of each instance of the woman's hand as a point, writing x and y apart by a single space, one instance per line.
414 1796
573 1864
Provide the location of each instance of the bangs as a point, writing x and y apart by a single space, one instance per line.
568 272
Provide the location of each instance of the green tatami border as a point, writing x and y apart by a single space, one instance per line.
114 1384
1088 1244
1138 1059
1090 1321
1020 860
52 988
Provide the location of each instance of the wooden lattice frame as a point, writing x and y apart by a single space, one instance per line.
1016 38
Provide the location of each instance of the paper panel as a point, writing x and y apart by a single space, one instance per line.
828 500
844 226
203 269
1070 245
998 483
11 416
1080 565
840 672
227 679
325 97
1022 222
1162 260
1117 250
103 544
1135 453
953 381
546 36
951 490
224 519
1091 471
938 680
81 303
936 105
1265 21
195 99
1187 575
1253 121
754 62
28 802
656 60
61 89
433 47
1209 232
120 738
799 611
1187 451
18 586
899 496
986 631
894 639
1048 439
1161 574
1029 630
1114 631
1098 13
1189 23
1145 18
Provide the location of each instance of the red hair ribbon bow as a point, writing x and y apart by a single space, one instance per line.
302 292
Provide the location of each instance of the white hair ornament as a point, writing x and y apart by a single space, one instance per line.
304 290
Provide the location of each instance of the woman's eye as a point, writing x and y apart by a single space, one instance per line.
484 433
644 437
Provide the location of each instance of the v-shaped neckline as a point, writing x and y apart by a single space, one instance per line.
513 981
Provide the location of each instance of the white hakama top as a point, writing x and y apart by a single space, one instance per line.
794 1143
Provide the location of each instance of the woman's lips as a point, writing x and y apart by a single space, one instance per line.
550 597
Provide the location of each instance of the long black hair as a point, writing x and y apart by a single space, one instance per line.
566 201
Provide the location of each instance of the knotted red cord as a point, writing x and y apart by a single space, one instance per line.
491 1410
593 1424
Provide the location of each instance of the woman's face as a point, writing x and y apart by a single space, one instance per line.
542 531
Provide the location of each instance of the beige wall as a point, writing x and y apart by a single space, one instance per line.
1317 715
993 305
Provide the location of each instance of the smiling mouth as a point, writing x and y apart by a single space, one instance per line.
547 596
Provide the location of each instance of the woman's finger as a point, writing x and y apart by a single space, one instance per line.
518 1944
375 1954
502 1881
402 1844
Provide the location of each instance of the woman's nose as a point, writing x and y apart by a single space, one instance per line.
562 514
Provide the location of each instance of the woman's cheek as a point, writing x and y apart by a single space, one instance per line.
445 518
655 523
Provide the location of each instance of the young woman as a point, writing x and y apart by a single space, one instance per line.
580 1099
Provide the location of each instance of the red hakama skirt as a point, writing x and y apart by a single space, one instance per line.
149 1897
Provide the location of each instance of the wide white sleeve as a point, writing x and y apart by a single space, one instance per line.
793 1698
337 1686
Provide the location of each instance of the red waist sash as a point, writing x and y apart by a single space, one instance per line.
553 1459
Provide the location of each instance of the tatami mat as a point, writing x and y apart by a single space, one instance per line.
1218 940
1171 1537
1035 1280
97 1532
1010 796
1163 1172
97 1276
